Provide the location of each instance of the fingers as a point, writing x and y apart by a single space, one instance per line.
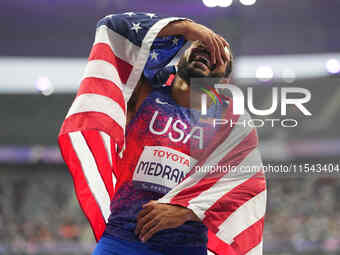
213 41
218 51
224 42
144 211
212 49
147 227
227 52
143 221
223 55
217 48
151 232
143 217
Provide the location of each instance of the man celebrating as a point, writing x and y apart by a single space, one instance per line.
161 203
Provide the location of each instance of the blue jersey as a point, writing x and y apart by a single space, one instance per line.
162 141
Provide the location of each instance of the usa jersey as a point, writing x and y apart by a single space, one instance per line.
163 142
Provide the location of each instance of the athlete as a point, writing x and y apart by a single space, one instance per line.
160 204
137 224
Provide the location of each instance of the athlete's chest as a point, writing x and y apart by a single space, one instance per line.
163 142
160 121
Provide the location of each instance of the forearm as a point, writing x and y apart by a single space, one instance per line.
178 27
193 31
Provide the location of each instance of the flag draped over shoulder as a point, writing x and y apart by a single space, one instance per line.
94 128
231 204
227 189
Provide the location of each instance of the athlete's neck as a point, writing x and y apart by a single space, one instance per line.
184 95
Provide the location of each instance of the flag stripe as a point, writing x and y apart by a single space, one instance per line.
212 195
98 103
232 200
207 185
104 88
217 246
102 51
93 120
120 46
221 188
104 70
219 155
107 144
257 250
84 194
96 145
108 147
250 238
90 170
246 215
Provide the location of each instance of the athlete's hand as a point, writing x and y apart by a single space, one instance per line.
157 216
213 41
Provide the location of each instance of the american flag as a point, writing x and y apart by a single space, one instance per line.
232 205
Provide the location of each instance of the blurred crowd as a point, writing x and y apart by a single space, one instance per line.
39 214
303 214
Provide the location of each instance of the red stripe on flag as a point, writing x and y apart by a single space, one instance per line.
249 238
97 147
232 200
233 158
102 87
102 51
93 120
217 246
85 197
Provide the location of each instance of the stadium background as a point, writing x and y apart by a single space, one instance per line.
44 45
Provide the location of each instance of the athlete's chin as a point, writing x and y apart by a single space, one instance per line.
188 71
198 73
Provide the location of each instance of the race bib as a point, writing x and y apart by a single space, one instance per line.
161 168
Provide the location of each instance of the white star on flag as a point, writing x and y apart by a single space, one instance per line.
130 13
175 41
154 55
151 15
136 27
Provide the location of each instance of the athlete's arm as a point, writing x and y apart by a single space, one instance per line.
142 90
193 31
